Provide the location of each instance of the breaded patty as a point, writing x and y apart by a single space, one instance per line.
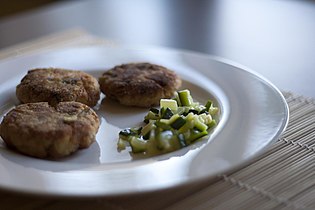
45 131
54 85
139 84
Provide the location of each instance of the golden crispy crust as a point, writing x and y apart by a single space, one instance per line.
139 84
54 85
44 131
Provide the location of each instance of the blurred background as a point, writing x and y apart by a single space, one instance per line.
268 36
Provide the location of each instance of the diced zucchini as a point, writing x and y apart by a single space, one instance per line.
194 111
212 123
208 104
190 118
154 110
121 144
137 145
169 103
203 111
200 126
181 140
205 118
151 116
171 120
196 134
163 140
213 110
178 123
151 147
146 136
185 97
166 113
176 98
128 132
182 110
163 124
145 132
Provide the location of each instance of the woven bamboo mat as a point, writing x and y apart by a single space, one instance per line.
281 178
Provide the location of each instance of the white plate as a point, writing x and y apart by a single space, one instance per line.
253 114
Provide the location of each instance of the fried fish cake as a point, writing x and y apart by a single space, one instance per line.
44 131
54 85
139 84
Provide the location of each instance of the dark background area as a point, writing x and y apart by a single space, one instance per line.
13 7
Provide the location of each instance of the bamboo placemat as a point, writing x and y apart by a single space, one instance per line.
68 38
281 178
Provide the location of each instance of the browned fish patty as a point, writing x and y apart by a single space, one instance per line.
54 85
139 84
44 131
